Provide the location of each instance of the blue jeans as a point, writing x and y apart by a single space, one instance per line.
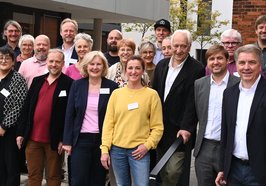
241 174
125 167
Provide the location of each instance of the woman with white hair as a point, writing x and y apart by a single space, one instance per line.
26 43
83 44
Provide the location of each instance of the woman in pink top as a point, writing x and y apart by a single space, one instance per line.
85 113
83 44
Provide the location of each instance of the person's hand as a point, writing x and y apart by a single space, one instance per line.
68 149
60 148
140 152
219 181
19 140
185 135
105 160
2 131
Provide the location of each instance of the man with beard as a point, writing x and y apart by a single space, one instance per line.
12 33
208 101
36 65
112 54
260 26
42 122
68 31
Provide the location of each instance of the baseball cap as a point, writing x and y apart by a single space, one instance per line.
163 23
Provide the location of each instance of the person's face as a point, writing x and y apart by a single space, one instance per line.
6 62
261 31
166 48
82 48
112 40
55 63
161 33
248 67
95 67
125 53
147 55
134 71
26 47
68 32
12 34
217 63
180 47
41 47
231 44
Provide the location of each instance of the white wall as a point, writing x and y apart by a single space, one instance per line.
225 7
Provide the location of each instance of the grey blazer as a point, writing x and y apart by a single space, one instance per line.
202 93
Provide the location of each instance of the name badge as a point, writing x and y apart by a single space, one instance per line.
133 106
62 93
5 92
72 61
104 90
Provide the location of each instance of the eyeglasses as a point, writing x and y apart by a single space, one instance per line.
230 43
6 58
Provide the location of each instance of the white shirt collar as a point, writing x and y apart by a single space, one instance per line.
225 79
252 88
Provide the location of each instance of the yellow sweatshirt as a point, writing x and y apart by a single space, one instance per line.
133 117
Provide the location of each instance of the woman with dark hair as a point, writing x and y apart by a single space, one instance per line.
13 91
132 126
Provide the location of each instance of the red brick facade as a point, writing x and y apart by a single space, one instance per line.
245 12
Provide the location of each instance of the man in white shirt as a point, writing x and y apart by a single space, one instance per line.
208 101
243 139
68 31
174 81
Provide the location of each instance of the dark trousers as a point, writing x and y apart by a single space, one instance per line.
241 174
207 162
9 164
86 168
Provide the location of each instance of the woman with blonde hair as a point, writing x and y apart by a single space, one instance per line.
86 109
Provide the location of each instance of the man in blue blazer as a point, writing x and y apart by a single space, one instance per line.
43 118
174 81
243 138
208 101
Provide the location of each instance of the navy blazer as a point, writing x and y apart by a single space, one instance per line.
59 104
76 108
256 131
178 108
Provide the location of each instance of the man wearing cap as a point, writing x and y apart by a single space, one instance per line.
162 29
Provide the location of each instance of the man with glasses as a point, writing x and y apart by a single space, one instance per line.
12 33
231 40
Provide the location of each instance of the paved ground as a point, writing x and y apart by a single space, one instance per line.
193 180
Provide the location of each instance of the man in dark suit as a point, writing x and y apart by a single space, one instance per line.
68 31
174 81
243 138
43 117
208 102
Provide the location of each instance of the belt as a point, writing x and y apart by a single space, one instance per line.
242 161
211 141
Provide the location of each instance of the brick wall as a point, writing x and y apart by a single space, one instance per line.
245 13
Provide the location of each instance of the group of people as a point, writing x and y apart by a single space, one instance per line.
109 111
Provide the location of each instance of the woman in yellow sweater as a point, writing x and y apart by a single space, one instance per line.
132 126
